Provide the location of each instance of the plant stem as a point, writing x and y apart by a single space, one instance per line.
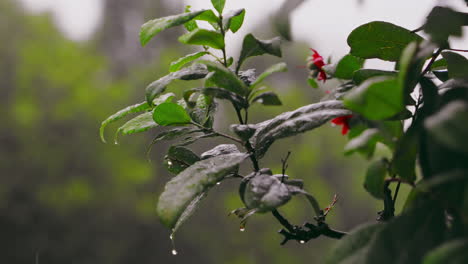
218 133
399 180
434 57
283 221
224 34
396 193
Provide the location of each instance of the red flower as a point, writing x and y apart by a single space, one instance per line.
343 121
317 60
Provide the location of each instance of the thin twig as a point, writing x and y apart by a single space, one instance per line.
218 133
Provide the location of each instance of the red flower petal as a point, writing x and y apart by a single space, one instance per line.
343 121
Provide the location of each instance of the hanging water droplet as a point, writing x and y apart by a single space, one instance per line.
218 183
242 229
169 163
302 241
174 252
171 237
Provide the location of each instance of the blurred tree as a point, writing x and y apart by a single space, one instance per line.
67 198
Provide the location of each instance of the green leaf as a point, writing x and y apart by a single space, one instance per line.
452 24
234 20
144 121
440 64
167 114
192 182
353 245
188 212
291 123
376 99
223 77
176 65
203 37
347 66
194 72
138 124
236 100
457 65
179 158
171 135
361 75
448 126
375 179
364 143
210 17
380 40
153 27
410 68
312 83
190 25
218 5
222 149
203 111
279 67
267 98
140 107
452 252
282 19
255 47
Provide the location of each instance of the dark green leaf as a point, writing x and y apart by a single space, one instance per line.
194 72
229 61
347 66
360 76
404 157
179 158
203 111
457 65
452 252
267 98
265 193
451 26
354 245
376 99
203 37
167 114
448 126
176 65
381 40
279 67
223 77
218 5
153 27
443 76
255 47
172 134
192 182
221 93
222 149
407 238
440 64
375 179
233 20
121 114
292 123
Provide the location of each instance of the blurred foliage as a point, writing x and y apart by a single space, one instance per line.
67 198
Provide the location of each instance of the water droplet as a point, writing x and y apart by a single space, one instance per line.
171 237
242 229
169 163
174 252
302 241
218 183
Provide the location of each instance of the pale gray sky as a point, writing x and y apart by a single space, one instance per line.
325 23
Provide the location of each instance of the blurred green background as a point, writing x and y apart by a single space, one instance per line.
65 197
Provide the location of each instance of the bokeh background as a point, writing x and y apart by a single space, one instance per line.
65 197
